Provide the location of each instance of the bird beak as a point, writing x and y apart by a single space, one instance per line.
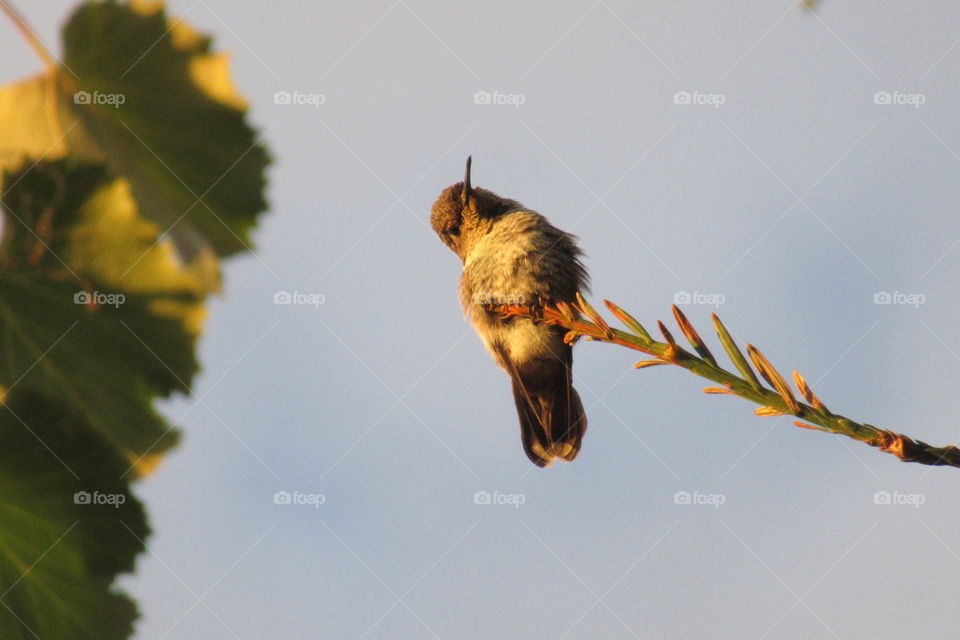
466 193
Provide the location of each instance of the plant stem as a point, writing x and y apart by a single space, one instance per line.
779 402
31 37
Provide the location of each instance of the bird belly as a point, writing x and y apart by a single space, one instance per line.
520 339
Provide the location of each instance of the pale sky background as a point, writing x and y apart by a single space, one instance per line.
797 200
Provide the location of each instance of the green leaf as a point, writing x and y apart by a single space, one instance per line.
60 553
162 112
95 309
125 173
74 221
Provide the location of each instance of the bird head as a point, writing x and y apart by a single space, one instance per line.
464 212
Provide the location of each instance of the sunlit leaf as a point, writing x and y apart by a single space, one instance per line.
94 307
146 96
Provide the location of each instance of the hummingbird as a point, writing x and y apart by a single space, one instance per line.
512 255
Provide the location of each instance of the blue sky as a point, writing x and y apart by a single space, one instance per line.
815 165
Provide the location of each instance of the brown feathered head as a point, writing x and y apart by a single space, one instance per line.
447 215
463 212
